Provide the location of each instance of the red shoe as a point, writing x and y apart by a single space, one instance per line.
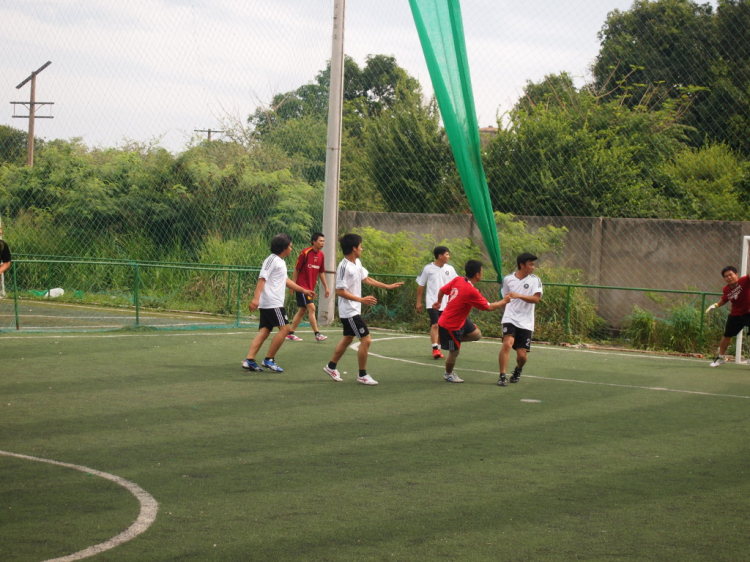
436 354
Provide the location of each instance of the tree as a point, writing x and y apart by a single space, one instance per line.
13 145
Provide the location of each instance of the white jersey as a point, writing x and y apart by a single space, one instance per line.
519 312
433 278
349 276
275 274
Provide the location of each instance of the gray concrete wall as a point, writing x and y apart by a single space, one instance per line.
644 253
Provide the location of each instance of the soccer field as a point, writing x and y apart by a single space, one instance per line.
594 455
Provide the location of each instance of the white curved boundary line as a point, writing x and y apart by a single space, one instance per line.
149 508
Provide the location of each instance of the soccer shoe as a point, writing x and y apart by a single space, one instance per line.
270 364
320 337
502 381
368 380
293 337
452 377
718 361
436 354
251 365
335 375
516 375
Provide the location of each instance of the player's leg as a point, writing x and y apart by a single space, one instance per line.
338 353
451 343
311 318
450 360
277 317
508 341
522 345
263 332
733 327
434 332
298 316
362 352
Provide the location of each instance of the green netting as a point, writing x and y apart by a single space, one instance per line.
441 33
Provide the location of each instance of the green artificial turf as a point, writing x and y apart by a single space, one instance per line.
592 456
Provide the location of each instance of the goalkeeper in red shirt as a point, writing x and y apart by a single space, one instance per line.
454 326
310 266
737 291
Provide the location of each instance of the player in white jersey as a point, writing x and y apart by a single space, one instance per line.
269 299
350 275
433 276
524 290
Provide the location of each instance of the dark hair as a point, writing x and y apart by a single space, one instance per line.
348 242
279 243
523 258
315 236
439 251
472 267
728 268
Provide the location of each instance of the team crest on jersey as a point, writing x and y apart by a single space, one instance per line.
525 285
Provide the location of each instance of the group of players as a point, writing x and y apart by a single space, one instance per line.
449 298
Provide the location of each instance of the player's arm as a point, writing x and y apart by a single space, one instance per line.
440 296
322 276
533 299
722 301
375 283
499 304
294 287
256 297
344 294
420 290
5 266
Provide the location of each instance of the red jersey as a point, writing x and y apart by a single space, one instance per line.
462 297
309 265
739 296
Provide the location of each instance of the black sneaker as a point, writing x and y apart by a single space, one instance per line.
516 376
502 381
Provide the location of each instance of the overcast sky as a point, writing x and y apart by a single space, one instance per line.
147 69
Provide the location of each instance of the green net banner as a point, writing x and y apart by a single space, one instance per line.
441 33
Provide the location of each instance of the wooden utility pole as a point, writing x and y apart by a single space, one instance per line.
32 112
209 131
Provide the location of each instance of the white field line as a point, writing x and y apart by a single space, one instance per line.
147 515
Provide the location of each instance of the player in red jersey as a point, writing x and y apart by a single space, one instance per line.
737 292
310 266
454 325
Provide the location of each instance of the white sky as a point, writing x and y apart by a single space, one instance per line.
144 69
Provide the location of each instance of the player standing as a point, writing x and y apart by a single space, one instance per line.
524 289
350 275
310 266
269 299
737 291
454 325
433 276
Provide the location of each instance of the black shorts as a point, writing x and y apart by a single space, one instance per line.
735 325
451 341
434 315
355 326
272 317
521 337
302 300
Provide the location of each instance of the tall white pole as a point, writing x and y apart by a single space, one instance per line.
326 306
2 275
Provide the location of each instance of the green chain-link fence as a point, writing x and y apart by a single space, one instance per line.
614 141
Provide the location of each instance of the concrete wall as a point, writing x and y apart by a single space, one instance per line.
645 253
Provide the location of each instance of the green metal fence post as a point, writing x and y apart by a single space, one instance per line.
15 293
239 297
229 291
703 315
49 279
567 312
136 300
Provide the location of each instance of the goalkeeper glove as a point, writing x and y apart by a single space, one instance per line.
710 308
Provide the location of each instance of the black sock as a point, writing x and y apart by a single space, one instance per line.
269 359
363 372
332 365
317 333
434 346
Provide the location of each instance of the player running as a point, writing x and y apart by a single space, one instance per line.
433 276
738 293
310 266
524 290
454 326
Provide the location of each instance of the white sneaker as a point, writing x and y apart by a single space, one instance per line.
320 337
335 375
452 377
293 337
368 380
718 361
